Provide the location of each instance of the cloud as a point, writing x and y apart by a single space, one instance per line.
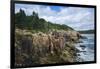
77 17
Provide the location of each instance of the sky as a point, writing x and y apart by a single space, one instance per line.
78 18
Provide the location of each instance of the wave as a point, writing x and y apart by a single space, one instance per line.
86 48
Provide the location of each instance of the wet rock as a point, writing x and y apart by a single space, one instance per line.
78 55
83 47
79 59
83 37
77 50
82 51
79 41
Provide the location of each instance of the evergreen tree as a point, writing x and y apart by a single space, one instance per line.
20 19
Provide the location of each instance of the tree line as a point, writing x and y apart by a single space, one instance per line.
33 22
87 31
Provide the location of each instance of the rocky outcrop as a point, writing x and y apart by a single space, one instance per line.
42 48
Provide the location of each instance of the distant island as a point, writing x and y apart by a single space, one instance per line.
86 32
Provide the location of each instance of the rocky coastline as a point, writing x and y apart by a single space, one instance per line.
45 48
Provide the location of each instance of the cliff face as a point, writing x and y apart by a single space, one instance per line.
54 44
45 48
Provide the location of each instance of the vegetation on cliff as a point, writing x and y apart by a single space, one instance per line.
40 42
33 22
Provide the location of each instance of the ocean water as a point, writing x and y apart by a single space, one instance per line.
86 48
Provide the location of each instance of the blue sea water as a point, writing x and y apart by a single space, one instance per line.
87 54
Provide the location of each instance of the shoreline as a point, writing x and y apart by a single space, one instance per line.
40 52
86 53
